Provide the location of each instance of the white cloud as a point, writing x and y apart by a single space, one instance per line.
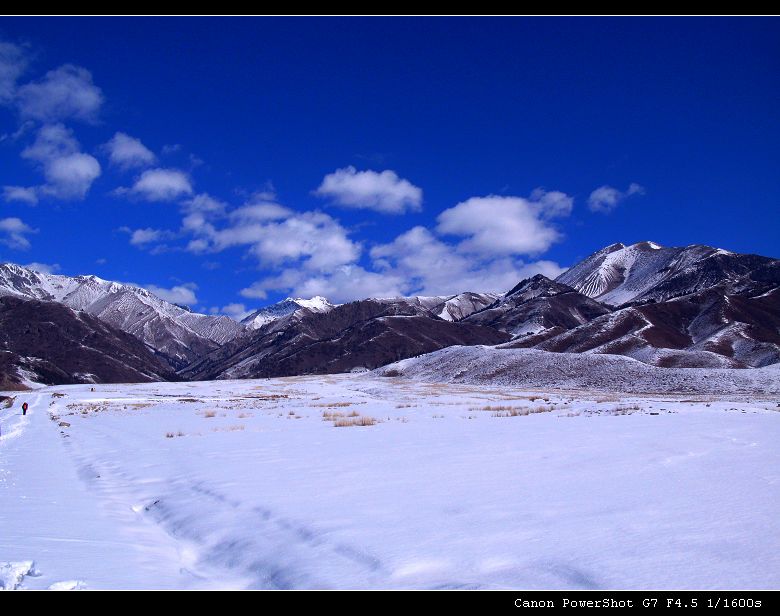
69 173
13 62
183 294
64 93
383 192
415 263
71 177
275 235
606 198
234 311
21 194
497 225
261 212
343 284
13 233
257 290
128 152
552 203
52 141
205 204
44 268
162 185
429 266
144 237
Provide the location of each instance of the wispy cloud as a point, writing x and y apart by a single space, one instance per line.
44 268
606 198
182 294
272 233
65 93
160 185
148 236
127 152
383 192
20 194
69 173
13 233
13 62
234 311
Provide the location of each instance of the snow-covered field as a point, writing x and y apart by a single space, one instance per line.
257 484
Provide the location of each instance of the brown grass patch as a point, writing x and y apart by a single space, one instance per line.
335 405
520 411
360 420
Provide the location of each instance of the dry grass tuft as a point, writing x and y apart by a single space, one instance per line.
360 420
494 408
331 416
625 410
209 414
521 412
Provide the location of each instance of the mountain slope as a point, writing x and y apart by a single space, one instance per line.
276 311
462 305
710 328
645 271
179 335
46 342
363 334
538 304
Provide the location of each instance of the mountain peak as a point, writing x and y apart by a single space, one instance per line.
646 245
289 305
647 271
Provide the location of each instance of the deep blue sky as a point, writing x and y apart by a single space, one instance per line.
685 110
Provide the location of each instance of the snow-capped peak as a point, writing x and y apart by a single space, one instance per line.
268 314
316 303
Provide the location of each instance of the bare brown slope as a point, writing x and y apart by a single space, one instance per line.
56 345
710 328
368 333
538 304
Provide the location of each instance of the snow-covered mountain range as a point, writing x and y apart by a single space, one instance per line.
179 335
687 306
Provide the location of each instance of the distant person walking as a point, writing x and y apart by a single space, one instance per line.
24 408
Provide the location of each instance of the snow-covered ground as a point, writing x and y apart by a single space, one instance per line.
257 484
